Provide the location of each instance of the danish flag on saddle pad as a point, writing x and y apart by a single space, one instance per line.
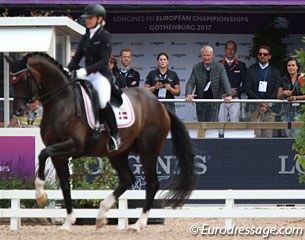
124 114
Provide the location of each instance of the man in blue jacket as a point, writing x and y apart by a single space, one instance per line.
262 82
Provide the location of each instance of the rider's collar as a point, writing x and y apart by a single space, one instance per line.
93 30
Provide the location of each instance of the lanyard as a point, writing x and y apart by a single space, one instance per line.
162 78
265 73
124 73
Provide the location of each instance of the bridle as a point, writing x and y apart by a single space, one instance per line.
29 76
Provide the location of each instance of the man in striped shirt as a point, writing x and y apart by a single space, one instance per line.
31 119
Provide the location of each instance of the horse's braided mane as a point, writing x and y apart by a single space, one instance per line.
51 60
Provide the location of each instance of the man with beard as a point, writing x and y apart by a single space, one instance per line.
262 83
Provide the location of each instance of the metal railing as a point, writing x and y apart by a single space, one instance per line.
186 111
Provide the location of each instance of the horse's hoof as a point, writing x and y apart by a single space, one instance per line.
64 230
134 228
100 222
42 200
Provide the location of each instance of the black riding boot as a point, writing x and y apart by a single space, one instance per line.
114 142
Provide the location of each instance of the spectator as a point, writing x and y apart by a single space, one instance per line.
119 80
262 83
31 119
5 12
72 53
211 81
68 14
236 71
132 77
163 82
290 89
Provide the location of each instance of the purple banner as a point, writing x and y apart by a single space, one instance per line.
200 22
161 2
17 156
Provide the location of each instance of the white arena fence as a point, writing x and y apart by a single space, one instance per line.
227 210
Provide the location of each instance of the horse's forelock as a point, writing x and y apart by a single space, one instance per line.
18 66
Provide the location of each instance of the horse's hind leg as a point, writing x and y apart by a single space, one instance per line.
126 179
149 162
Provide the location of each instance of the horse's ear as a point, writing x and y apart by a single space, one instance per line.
8 59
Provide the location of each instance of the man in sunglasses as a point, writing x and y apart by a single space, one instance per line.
262 83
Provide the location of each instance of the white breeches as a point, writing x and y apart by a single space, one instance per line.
102 86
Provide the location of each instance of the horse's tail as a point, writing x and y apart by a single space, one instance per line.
184 181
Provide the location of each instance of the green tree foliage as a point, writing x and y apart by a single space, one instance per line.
299 145
271 36
90 173
300 54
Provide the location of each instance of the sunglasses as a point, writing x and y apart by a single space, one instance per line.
263 54
111 61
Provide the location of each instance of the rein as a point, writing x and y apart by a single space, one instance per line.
53 92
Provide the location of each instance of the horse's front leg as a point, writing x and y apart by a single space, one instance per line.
59 152
41 196
65 148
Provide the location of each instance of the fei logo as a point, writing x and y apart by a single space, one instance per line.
280 22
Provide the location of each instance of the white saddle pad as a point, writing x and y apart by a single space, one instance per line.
124 114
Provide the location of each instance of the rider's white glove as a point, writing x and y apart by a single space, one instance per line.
81 73
67 70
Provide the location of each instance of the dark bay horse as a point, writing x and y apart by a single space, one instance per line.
65 135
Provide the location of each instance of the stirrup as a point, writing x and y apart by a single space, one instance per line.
113 143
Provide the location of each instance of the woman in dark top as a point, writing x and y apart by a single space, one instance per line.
118 79
290 89
163 82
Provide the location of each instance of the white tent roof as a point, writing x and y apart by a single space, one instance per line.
29 34
25 39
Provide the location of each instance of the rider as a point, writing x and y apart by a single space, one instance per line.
96 47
